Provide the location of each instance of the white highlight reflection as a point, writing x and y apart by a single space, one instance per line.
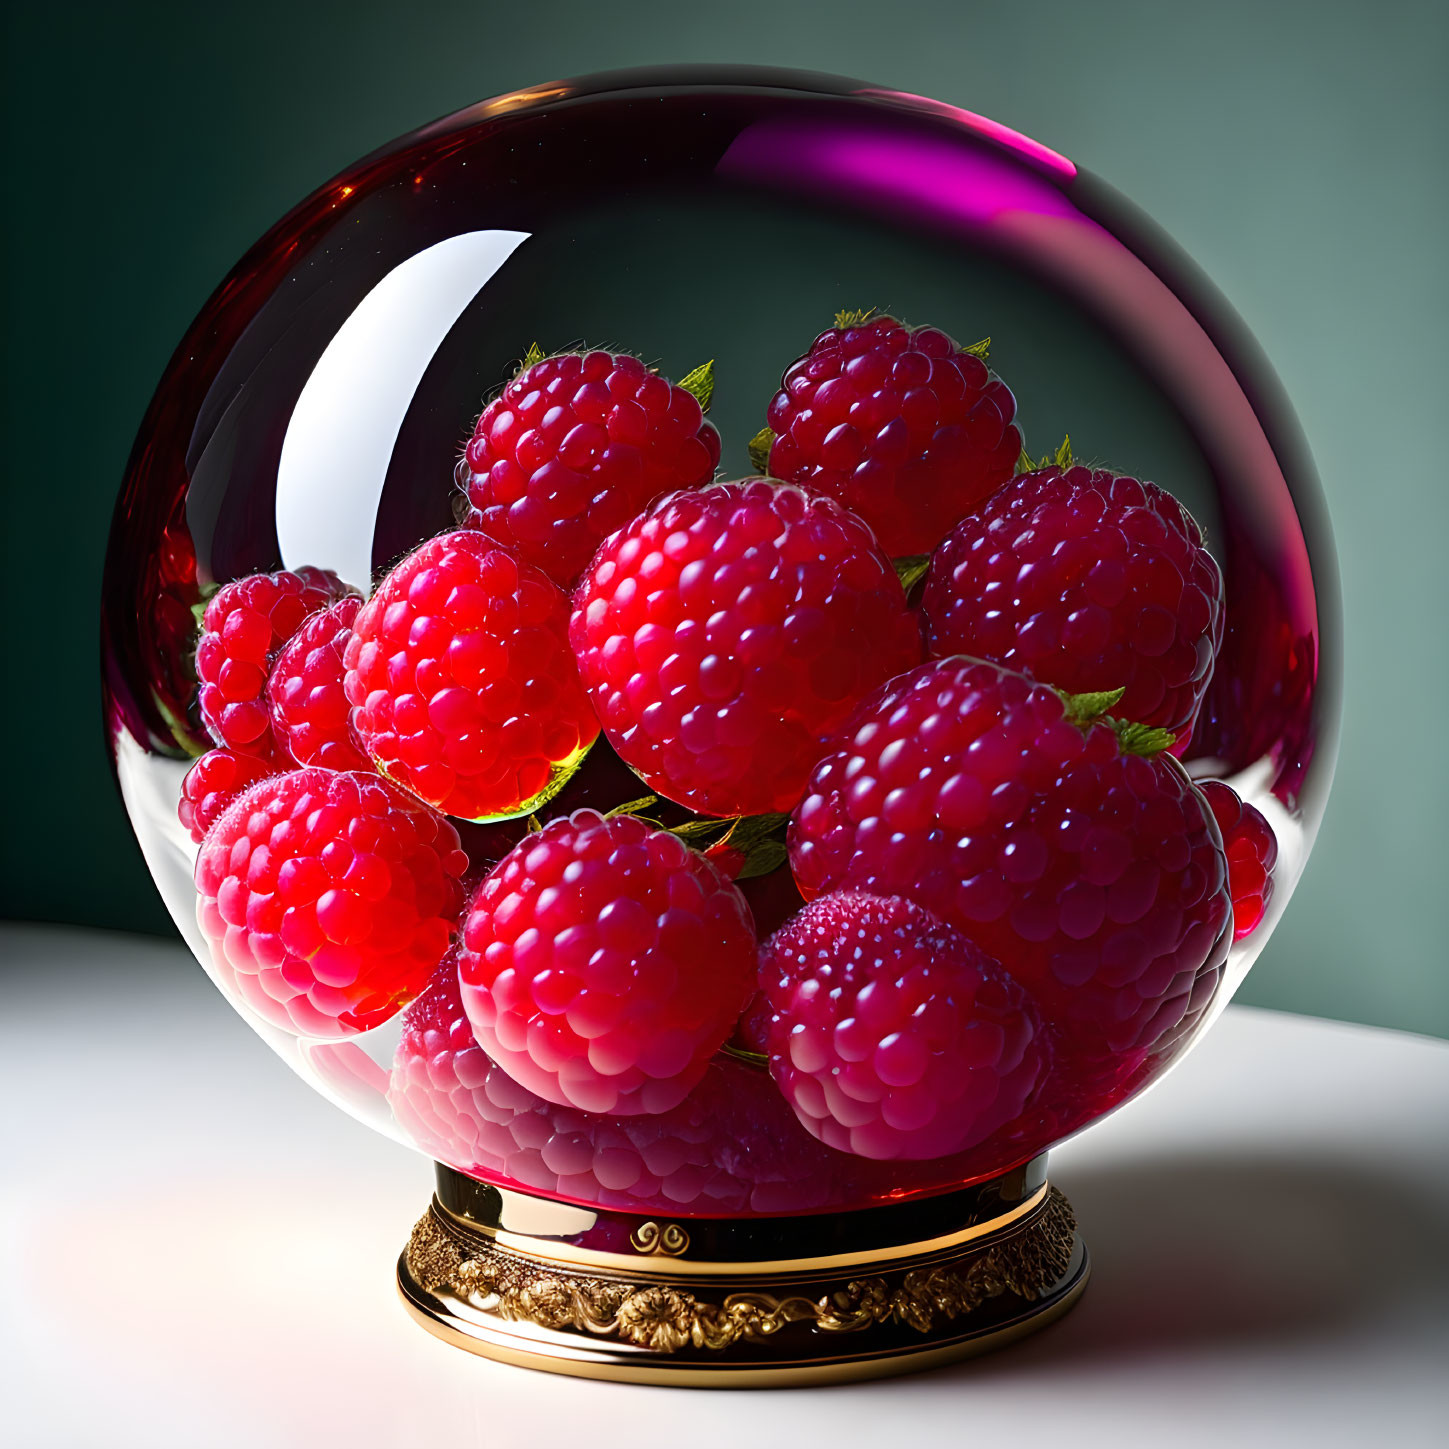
341 434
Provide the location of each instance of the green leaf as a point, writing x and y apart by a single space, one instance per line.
1087 708
532 356
760 450
911 569
980 349
749 830
632 807
767 856
854 318
699 384
1140 739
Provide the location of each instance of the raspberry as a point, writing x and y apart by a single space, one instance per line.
1093 874
725 631
1252 852
1087 581
212 783
309 707
461 682
573 448
244 625
732 1145
604 962
891 1034
328 899
900 425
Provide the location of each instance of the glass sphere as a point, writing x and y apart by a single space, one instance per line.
464 475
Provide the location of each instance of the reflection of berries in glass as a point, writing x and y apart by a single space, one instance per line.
892 1035
902 426
603 963
573 448
174 596
328 899
244 625
1088 581
730 1146
308 706
461 682
726 630
1090 872
1252 852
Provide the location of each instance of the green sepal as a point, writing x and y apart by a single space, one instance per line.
855 317
1087 708
177 729
980 349
699 384
1062 459
530 358
1140 739
760 450
198 609
911 569
744 1054
632 807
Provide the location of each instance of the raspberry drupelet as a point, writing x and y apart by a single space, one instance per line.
899 424
308 705
1088 581
573 447
461 682
1252 852
213 782
891 1034
1093 874
328 899
727 630
603 963
244 625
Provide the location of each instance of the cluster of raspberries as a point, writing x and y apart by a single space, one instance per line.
932 690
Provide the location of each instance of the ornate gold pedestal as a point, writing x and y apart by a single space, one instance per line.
733 1303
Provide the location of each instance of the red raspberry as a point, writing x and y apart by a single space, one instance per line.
461 681
1087 581
604 962
573 448
309 707
1252 851
891 1034
726 631
731 1146
328 899
1092 874
244 625
901 425
212 783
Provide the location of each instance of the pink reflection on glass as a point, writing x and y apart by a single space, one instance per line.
1053 161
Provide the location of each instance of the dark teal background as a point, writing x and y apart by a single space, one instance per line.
1297 150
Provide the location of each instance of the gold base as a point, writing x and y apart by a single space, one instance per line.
695 1303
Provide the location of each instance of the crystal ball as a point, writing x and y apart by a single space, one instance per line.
721 640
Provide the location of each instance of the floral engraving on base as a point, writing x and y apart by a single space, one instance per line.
665 1318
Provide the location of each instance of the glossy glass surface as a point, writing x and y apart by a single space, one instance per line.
316 411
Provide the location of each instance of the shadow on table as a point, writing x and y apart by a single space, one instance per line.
1235 1250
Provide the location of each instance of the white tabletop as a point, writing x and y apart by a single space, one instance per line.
199 1252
